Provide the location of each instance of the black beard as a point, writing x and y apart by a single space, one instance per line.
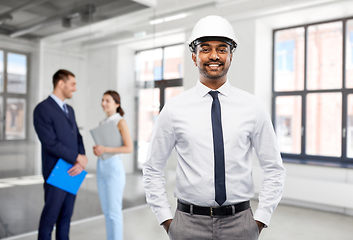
205 73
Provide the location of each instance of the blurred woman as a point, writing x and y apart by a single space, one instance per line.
110 172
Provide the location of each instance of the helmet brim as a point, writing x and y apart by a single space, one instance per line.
200 40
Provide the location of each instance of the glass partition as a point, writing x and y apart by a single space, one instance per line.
148 111
1 71
2 118
312 88
288 123
324 68
173 62
324 123
149 65
349 133
159 74
15 118
349 54
16 73
289 60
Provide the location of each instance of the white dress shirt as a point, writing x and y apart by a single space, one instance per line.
185 124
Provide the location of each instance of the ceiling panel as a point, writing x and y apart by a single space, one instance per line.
40 18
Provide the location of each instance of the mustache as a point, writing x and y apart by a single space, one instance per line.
214 62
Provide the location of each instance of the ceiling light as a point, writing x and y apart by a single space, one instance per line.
156 21
168 19
175 17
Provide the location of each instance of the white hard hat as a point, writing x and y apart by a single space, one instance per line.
212 28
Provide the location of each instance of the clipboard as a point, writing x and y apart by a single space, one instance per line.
107 135
60 178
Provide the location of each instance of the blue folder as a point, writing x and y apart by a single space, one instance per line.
60 178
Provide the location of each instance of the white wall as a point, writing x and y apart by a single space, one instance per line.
101 76
242 71
191 73
126 88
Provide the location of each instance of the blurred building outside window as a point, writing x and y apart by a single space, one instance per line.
313 92
159 76
13 95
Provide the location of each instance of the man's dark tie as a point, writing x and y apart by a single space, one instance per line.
218 147
66 111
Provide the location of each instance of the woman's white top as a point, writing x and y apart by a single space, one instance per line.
116 117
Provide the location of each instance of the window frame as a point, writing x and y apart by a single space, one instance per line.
303 158
6 95
161 84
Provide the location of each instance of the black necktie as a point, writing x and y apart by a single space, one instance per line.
218 148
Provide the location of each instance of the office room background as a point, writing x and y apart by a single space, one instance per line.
296 56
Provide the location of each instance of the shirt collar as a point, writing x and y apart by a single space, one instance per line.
57 100
203 90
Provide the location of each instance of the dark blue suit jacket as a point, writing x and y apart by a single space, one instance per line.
58 134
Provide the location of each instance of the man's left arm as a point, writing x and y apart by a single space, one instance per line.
81 148
267 150
81 161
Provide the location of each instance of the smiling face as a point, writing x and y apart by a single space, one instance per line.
109 105
68 87
213 59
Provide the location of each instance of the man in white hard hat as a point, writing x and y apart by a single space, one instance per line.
213 128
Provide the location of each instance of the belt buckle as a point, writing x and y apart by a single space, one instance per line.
211 212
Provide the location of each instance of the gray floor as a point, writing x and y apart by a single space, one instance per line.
288 222
22 200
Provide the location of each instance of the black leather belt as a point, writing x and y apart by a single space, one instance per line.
213 211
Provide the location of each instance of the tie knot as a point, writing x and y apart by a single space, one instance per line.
214 94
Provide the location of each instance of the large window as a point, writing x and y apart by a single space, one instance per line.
313 92
13 95
159 76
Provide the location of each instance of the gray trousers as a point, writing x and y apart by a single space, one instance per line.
240 226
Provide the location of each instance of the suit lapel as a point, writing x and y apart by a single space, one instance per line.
70 116
58 108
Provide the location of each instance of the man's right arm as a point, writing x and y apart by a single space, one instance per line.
161 145
78 167
166 224
82 160
268 153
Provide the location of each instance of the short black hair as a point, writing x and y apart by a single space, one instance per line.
61 74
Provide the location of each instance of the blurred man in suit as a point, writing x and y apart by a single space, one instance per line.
55 124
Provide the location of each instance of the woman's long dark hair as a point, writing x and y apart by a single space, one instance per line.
116 98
